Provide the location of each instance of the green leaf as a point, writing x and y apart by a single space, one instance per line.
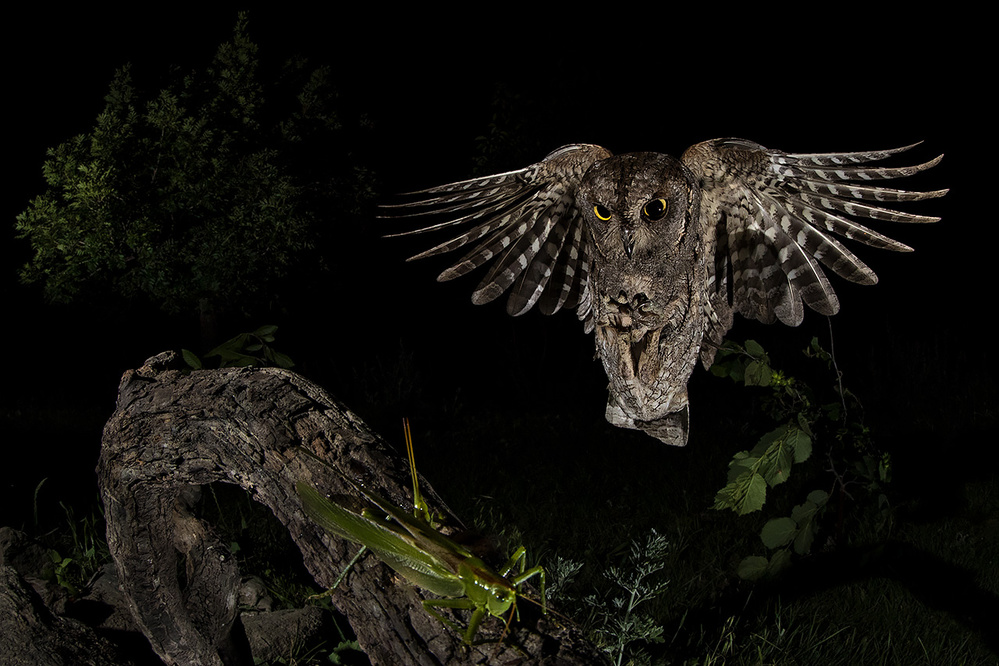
753 567
740 464
775 464
226 354
282 360
779 561
754 496
243 361
769 441
758 374
753 348
801 444
803 540
803 512
818 497
804 424
804 515
778 532
191 359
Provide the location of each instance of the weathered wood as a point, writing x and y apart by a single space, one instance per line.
31 634
174 429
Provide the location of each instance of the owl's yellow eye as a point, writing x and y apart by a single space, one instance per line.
655 209
602 212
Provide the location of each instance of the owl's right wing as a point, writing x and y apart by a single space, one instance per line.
524 223
772 220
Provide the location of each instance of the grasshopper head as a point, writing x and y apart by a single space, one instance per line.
486 588
499 599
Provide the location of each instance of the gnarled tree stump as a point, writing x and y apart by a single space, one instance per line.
173 430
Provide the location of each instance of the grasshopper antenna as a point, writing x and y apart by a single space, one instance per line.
420 509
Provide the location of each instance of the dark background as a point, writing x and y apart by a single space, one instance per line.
915 347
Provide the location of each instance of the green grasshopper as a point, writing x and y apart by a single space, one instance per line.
417 551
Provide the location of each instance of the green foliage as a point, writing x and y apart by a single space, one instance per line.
244 350
767 465
804 417
614 620
87 552
194 196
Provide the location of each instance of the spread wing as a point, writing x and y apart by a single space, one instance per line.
524 224
774 219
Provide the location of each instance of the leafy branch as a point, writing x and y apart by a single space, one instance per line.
803 419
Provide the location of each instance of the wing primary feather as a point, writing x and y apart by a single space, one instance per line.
469 184
864 210
504 199
865 192
843 173
837 158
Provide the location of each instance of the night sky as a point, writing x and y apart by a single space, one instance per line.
913 344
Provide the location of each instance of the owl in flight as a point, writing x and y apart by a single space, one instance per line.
657 255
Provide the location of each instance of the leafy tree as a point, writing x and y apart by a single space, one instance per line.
198 196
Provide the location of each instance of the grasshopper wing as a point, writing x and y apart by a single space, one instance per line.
423 536
393 544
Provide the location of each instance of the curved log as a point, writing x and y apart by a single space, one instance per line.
174 429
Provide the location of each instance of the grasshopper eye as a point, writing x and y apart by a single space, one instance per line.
601 212
655 209
500 600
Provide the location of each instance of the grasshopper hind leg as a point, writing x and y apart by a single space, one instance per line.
343 574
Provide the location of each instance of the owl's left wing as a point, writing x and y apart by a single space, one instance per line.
772 218
525 223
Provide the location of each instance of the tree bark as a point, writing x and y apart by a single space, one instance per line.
31 634
174 429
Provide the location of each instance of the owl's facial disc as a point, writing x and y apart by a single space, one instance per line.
636 205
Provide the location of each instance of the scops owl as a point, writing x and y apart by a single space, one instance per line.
656 254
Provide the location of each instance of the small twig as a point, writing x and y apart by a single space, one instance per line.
839 375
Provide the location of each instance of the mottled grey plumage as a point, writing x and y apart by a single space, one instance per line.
656 254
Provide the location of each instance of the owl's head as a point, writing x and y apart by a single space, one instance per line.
639 205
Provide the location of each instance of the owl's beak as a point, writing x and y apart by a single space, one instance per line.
628 240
